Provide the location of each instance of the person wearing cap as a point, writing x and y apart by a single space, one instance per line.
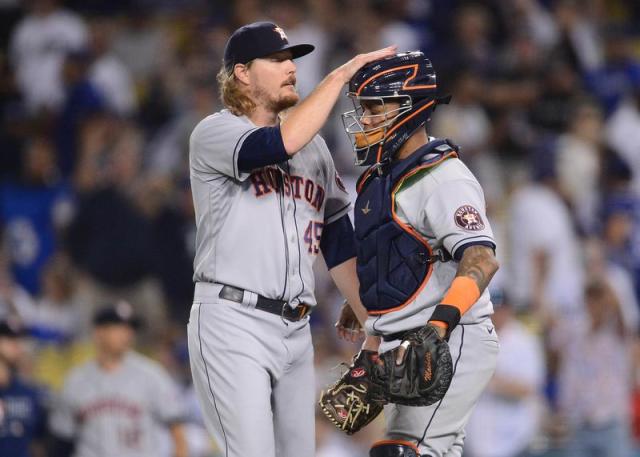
118 403
268 200
23 416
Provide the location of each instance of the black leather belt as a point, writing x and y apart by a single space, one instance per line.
278 307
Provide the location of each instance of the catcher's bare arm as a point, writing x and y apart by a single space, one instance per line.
480 264
476 268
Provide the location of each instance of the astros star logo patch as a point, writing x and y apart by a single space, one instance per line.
281 32
468 218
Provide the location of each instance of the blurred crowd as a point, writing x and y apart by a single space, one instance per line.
98 99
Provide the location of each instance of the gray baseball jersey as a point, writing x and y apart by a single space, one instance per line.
260 231
119 413
446 206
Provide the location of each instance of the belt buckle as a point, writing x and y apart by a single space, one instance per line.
302 313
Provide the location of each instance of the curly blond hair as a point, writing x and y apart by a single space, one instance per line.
231 95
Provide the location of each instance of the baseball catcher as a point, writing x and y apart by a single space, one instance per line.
425 255
354 400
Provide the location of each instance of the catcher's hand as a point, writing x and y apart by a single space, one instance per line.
417 372
354 401
348 326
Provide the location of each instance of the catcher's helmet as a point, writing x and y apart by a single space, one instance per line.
407 78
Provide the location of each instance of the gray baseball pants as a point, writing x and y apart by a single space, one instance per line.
253 374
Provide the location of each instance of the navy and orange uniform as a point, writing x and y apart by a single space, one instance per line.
418 210
413 220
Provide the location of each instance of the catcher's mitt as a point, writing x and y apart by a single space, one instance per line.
423 376
354 401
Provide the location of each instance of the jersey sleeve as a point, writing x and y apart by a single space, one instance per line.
338 202
167 399
215 143
457 215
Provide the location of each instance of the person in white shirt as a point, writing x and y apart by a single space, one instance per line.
508 414
38 47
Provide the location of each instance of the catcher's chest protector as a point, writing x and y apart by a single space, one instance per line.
393 260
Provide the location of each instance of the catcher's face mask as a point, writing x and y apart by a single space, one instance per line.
369 123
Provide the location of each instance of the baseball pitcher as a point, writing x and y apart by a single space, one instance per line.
267 200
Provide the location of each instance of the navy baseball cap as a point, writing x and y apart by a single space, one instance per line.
259 39
119 313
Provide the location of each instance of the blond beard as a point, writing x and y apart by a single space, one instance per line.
275 105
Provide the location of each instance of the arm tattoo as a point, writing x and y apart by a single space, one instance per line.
478 263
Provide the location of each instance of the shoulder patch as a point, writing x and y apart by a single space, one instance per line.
468 218
340 184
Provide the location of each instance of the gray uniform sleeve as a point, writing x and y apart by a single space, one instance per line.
338 202
457 216
62 421
168 404
215 143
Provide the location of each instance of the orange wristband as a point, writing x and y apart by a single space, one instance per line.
462 294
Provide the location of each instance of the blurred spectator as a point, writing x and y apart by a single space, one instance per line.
13 119
577 39
15 302
109 75
508 415
23 417
39 44
534 19
168 149
593 401
82 102
120 402
34 207
578 163
141 44
110 239
545 258
619 222
612 81
619 278
470 46
169 214
466 120
57 317
623 130
393 27
551 112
